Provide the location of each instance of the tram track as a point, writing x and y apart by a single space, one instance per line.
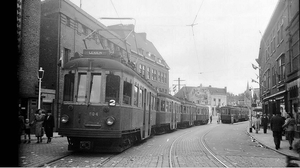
208 152
61 161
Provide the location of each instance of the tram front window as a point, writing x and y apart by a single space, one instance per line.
81 92
69 87
112 88
95 88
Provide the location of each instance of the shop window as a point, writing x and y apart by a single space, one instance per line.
112 88
95 88
127 88
69 87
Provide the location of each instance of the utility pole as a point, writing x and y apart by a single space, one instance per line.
179 83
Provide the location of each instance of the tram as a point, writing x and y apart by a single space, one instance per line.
108 106
237 113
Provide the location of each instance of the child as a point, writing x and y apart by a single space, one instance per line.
27 130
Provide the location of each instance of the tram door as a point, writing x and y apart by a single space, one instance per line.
172 116
146 116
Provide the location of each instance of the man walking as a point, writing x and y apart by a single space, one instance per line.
276 126
265 122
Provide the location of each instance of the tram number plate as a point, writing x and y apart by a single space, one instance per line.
85 144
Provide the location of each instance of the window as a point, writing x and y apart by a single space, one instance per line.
84 30
163 105
95 88
152 77
68 22
135 96
273 77
148 73
112 88
81 92
141 98
69 87
127 88
281 67
67 55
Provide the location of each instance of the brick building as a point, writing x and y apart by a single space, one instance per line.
28 29
279 61
148 61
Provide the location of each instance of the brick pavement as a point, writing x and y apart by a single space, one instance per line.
37 154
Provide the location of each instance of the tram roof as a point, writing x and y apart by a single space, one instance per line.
104 62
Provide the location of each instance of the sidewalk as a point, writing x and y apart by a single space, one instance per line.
38 154
267 141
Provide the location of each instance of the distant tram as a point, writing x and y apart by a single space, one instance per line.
238 113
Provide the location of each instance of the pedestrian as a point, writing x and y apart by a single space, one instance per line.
27 131
219 117
232 118
210 118
265 122
48 125
289 124
38 120
257 123
276 126
21 126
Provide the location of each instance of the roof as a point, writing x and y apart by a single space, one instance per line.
139 41
184 91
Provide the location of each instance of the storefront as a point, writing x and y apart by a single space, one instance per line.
276 103
293 104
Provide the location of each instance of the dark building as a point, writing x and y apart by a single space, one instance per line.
279 61
28 29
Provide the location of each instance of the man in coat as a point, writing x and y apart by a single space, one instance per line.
48 125
265 122
276 126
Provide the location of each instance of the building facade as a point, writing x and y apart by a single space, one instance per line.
279 61
66 30
210 96
28 30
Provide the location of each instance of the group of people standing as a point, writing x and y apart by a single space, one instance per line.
279 125
43 122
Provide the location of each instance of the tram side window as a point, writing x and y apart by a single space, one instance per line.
112 88
127 88
135 96
69 87
162 105
81 93
95 88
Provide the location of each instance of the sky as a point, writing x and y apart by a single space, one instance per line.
219 53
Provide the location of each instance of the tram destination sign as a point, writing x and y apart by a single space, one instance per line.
95 52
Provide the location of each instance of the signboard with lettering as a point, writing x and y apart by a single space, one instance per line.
95 52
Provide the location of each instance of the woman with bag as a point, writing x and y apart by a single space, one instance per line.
39 119
290 129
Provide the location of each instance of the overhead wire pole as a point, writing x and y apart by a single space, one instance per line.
179 83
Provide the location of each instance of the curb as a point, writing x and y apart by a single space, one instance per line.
266 146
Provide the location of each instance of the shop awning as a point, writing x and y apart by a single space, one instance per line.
274 95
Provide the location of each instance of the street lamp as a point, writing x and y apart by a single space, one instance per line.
40 77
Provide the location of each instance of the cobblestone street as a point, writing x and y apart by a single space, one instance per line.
235 148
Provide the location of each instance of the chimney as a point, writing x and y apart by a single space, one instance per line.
209 86
225 89
143 35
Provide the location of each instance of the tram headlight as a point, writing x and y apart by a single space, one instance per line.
110 121
64 118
